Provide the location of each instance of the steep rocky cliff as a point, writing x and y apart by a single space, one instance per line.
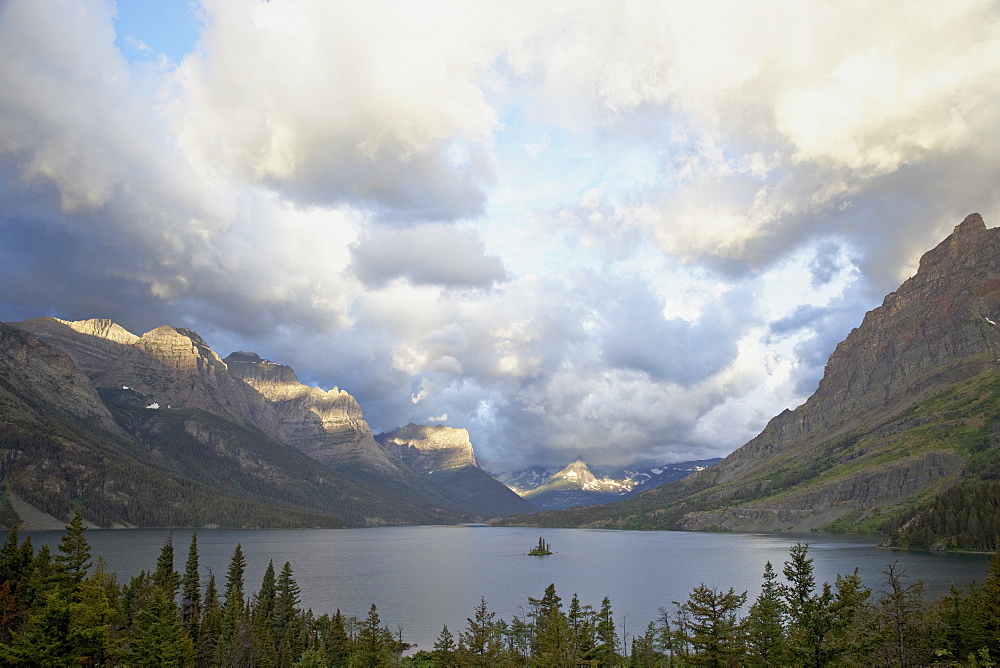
327 426
30 368
906 409
173 366
446 457
430 447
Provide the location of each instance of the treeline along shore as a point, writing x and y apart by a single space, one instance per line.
67 609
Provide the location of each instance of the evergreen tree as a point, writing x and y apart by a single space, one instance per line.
552 644
765 624
987 610
286 601
480 644
157 636
191 591
444 649
231 632
581 626
15 592
606 649
798 592
374 646
644 653
210 627
713 627
74 559
165 577
263 617
338 645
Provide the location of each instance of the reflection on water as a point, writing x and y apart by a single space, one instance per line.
424 577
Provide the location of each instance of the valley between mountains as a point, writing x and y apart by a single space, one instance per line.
902 436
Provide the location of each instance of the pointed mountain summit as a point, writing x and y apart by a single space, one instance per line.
576 472
575 485
906 415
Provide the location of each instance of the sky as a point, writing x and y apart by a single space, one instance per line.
627 231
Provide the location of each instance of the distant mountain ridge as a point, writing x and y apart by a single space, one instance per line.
578 484
906 418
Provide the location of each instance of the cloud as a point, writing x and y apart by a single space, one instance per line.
425 255
627 231
380 104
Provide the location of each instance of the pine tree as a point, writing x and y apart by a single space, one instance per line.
606 650
479 644
74 559
263 617
211 623
988 608
338 645
581 626
713 628
191 591
165 577
444 649
374 644
765 624
552 643
286 601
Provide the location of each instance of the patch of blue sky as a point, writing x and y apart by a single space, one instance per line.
550 179
151 29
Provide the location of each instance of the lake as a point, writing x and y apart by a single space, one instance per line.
423 577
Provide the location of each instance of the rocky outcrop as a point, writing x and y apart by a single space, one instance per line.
939 327
31 367
327 426
173 366
430 447
897 417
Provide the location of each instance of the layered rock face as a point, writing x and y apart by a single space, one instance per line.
27 363
430 447
327 426
939 327
173 366
898 417
176 368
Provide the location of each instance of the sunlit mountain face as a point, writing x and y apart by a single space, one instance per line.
580 484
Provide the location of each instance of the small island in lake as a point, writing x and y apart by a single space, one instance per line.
541 549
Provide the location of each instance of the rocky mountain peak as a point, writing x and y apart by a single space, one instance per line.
102 328
430 447
959 251
577 471
260 372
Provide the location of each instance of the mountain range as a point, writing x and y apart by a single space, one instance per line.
158 430
579 484
902 435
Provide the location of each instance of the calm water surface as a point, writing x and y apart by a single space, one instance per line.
424 577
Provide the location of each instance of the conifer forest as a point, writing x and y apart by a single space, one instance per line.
66 609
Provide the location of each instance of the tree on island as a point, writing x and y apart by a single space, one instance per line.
541 549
